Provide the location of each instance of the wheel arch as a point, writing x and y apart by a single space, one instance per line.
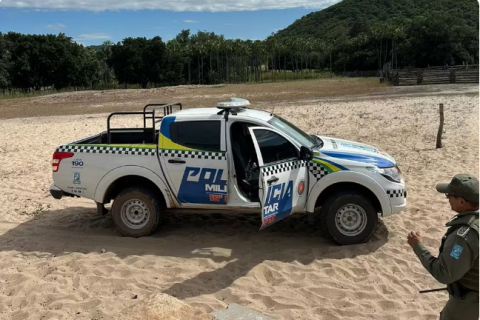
342 181
123 177
348 186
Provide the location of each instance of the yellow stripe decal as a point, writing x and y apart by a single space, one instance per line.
329 166
169 144
140 145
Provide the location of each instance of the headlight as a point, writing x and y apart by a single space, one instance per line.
393 173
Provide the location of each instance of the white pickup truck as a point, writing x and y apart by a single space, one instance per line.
231 158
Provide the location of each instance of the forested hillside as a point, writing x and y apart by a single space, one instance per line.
365 34
349 36
358 15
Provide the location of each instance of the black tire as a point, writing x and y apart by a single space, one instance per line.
328 218
147 200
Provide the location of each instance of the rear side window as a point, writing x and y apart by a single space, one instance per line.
201 135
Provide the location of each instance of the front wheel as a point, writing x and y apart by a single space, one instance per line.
136 212
349 218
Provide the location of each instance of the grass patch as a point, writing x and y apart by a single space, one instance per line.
88 102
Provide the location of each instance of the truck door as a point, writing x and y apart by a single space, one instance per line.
283 176
194 163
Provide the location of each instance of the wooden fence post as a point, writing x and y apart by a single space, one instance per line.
440 128
452 76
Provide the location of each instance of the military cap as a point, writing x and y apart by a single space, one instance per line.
462 185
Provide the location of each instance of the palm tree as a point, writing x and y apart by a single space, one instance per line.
227 48
199 50
283 48
237 53
320 47
272 47
105 55
220 47
185 41
377 34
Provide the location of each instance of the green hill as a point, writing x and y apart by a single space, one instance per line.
96 47
367 34
357 15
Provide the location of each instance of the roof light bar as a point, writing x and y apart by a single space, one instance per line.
233 103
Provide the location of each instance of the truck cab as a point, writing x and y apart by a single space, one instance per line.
234 158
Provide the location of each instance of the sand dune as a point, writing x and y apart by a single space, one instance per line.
61 261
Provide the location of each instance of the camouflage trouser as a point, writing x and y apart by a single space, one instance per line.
465 309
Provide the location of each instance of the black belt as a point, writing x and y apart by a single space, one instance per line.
458 290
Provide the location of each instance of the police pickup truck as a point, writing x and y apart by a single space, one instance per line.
232 158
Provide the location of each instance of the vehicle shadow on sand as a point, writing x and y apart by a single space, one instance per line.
222 238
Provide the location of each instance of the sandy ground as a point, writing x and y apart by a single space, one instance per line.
61 261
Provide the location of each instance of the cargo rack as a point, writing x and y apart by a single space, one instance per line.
167 109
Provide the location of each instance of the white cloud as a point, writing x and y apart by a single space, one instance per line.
56 26
179 5
190 21
92 36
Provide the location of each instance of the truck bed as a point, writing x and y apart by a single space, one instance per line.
122 136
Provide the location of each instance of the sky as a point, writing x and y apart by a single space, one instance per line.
91 22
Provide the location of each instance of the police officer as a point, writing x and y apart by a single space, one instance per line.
457 263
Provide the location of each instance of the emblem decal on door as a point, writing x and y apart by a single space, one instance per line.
76 178
301 187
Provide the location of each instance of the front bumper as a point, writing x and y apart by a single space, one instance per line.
56 192
398 201
400 208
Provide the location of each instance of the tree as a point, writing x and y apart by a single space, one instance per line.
174 63
104 56
5 58
348 36
185 42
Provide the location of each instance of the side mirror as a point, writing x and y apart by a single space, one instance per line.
306 153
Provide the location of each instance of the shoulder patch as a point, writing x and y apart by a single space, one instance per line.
456 251
463 231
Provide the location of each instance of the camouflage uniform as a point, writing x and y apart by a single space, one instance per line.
457 263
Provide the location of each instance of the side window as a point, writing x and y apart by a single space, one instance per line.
274 147
201 135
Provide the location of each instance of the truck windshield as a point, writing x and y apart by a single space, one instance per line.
294 132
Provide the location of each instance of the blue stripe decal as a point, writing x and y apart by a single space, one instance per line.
165 129
379 162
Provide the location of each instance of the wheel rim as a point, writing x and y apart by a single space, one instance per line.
351 220
135 214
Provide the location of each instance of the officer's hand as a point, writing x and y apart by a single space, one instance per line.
414 238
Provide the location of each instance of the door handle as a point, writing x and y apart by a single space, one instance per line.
176 161
272 179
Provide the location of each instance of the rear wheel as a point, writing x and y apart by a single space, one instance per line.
349 218
136 212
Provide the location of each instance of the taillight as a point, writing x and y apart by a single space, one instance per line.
59 156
